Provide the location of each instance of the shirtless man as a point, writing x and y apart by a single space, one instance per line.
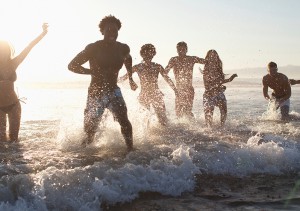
148 72
281 89
182 66
106 57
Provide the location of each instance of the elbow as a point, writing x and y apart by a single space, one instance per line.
71 67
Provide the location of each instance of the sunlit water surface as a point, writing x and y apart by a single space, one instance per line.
50 170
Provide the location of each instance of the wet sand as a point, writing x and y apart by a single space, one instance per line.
224 192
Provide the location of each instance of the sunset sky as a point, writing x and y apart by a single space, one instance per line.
245 33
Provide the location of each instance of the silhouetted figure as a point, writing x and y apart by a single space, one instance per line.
214 78
106 57
293 81
281 89
10 106
148 72
183 66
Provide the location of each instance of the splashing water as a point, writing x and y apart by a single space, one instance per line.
49 170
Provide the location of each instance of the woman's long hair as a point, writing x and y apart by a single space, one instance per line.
213 64
6 52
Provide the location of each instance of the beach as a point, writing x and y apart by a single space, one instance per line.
252 163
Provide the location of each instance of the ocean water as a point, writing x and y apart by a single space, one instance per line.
251 164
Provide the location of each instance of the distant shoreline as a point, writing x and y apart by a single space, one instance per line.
247 77
198 82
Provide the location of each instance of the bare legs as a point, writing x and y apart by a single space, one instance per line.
285 112
3 126
223 111
95 109
184 102
209 105
14 118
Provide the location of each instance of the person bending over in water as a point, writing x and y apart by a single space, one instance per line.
281 89
214 79
10 107
148 72
182 66
293 81
106 57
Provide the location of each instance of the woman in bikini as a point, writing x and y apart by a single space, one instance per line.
214 78
10 107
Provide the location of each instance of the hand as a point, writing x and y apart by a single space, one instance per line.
133 85
292 81
45 27
122 78
233 76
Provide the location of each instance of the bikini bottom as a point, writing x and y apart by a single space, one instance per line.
7 109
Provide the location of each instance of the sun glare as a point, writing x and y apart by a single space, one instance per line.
21 22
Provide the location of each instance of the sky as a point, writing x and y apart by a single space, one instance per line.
245 33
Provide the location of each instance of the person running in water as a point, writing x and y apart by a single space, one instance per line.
106 57
183 66
10 107
148 73
281 89
214 78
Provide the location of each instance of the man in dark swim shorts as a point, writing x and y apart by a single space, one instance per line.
106 57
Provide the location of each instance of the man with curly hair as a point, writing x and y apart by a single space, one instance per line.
106 57
182 66
148 73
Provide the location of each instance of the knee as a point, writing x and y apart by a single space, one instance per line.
125 122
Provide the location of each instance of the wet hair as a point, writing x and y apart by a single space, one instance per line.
272 65
216 58
182 44
148 50
6 51
212 57
107 20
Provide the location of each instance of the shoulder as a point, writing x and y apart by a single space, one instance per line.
173 59
157 66
137 66
284 77
125 48
266 78
93 46
194 58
